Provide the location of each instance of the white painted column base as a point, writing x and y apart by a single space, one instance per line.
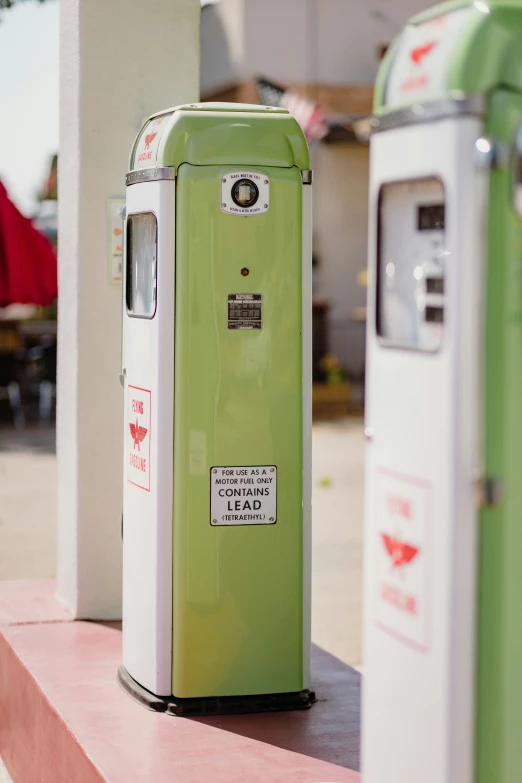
120 61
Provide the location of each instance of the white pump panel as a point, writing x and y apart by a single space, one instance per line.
423 456
148 433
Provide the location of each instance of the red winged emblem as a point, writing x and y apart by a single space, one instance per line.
149 139
418 55
137 433
400 553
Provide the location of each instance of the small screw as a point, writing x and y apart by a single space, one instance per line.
271 470
271 519
224 179
214 471
223 204
214 521
266 206
266 182
245 272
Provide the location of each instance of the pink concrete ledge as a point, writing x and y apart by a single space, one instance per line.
64 719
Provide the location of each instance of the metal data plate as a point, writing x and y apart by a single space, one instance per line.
243 495
245 311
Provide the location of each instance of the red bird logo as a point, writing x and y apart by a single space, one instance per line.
418 55
149 139
137 433
400 553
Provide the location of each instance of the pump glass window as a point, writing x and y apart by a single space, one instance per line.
142 231
412 265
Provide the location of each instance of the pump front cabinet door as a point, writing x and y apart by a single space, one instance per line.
238 478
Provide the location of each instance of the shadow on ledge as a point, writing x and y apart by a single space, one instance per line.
328 731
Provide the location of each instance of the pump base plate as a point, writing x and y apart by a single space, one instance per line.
215 705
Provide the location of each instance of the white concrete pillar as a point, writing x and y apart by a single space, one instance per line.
120 61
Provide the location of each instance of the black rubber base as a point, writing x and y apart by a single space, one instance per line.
216 705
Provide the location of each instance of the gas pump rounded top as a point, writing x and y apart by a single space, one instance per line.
220 134
448 52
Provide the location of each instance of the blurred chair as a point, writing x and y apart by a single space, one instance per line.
41 366
10 388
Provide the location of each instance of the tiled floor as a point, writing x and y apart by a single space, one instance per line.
27 503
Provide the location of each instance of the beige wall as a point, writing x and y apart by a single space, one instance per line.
222 44
341 225
334 42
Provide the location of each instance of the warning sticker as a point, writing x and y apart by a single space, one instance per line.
400 546
243 496
138 437
245 311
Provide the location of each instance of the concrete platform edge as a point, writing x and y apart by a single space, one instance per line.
81 728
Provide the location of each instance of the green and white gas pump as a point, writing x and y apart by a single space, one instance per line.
217 373
442 696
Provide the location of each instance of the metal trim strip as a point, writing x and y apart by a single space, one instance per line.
455 106
150 175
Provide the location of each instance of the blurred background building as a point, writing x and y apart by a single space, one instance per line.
319 58
322 52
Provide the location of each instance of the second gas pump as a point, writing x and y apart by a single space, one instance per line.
443 535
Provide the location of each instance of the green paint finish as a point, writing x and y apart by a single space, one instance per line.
499 697
231 134
488 53
238 591
382 77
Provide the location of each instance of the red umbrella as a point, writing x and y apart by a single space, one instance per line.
28 267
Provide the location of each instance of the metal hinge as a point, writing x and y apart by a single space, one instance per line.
490 492
491 154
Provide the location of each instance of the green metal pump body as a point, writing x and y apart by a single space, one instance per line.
240 589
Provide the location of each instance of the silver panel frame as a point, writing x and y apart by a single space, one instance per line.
464 104
150 175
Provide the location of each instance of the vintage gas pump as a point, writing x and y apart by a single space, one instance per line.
443 534
217 376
